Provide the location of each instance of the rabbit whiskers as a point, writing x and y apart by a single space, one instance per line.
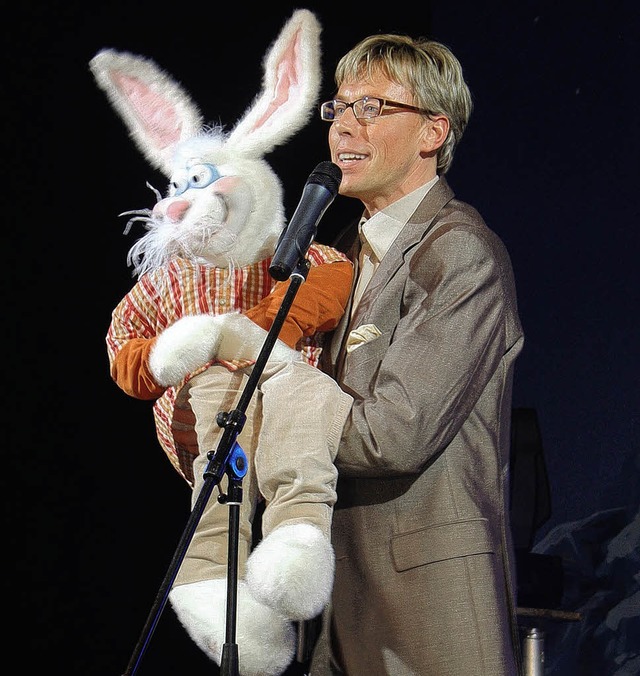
204 241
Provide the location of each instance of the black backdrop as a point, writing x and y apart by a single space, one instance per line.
93 509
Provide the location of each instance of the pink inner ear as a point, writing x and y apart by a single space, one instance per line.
157 116
286 80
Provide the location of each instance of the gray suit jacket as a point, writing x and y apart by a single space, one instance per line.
424 570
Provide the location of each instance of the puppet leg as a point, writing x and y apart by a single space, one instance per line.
303 413
215 390
266 639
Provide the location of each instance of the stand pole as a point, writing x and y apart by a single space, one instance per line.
228 458
229 663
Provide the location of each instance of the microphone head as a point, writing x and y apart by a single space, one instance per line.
319 191
328 175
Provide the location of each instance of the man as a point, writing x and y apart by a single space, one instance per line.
424 581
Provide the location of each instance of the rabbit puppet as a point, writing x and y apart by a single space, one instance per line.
188 331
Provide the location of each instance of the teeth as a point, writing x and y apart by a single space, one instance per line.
351 156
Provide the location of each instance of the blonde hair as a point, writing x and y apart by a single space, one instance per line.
430 71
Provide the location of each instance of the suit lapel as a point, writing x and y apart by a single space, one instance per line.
419 224
351 245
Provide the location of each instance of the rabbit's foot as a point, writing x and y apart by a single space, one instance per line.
292 571
266 640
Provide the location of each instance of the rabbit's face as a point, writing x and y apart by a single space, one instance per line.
215 212
203 214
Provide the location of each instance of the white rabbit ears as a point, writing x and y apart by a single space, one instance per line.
160 114
290 87
155 108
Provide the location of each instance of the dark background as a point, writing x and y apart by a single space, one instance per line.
94 511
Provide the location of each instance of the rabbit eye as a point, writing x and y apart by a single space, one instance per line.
177 186
202 175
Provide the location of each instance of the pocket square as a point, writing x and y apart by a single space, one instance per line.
363 334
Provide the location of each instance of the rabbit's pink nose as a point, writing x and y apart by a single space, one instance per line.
171 209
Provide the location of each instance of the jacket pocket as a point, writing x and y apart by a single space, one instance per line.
439 543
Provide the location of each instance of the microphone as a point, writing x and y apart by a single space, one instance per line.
319 192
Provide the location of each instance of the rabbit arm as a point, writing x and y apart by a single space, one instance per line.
196 340
145 367
318 305
130 370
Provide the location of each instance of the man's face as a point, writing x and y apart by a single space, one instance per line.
387 157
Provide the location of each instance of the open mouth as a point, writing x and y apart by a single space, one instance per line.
348 157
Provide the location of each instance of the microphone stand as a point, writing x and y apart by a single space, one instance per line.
228 458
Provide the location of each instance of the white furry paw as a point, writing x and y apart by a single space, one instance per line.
265 639
292 571
183 347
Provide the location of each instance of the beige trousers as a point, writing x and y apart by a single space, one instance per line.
293 426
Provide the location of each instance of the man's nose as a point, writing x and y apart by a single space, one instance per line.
346 120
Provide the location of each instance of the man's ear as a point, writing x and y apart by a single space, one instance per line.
435 132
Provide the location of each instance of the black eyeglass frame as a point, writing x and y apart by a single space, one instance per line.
364 99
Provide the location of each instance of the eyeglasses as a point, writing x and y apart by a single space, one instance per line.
365 108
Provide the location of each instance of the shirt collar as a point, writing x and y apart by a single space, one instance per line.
383 227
